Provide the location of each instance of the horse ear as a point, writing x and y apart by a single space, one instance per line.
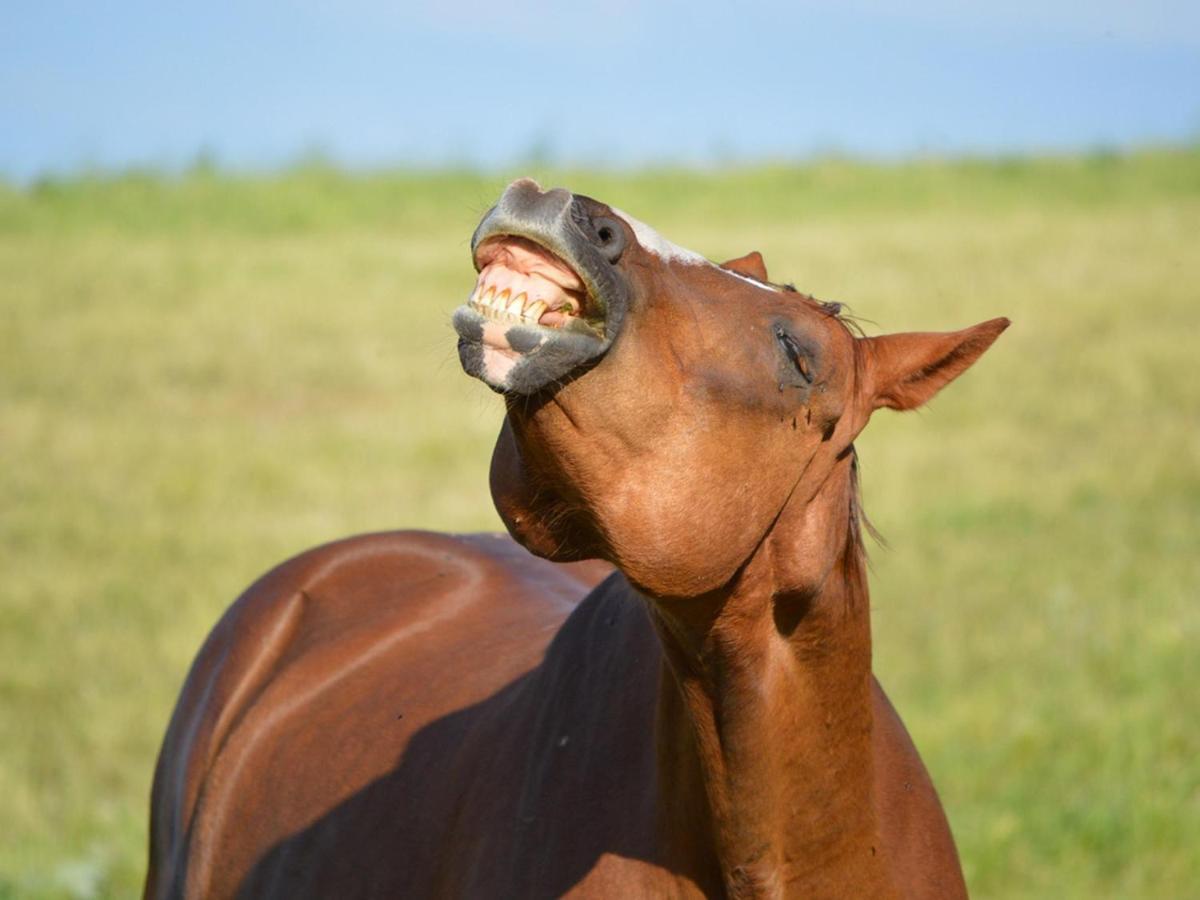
751 264
905 371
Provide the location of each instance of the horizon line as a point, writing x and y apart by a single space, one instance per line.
207 163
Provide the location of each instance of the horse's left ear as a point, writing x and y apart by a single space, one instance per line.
751 264
904 371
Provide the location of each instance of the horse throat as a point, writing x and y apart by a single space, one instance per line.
764 734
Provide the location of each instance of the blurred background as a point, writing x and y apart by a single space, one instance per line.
231 237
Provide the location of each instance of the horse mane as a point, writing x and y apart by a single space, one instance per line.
857 557
840 312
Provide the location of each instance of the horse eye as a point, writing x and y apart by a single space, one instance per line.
794 352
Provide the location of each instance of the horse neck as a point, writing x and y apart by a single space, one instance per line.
764 724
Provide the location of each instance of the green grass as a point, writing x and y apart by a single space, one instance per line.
201 376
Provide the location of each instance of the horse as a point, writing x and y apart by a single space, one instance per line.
657 685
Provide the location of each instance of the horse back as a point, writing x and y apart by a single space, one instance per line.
312 683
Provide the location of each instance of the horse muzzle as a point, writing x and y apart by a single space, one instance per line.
550 297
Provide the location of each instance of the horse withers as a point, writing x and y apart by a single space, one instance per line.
659 687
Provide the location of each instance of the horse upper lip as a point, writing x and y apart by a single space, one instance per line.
528 256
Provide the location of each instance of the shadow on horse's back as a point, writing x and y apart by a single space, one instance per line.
359 674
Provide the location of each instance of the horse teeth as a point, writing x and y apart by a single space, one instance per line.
503 306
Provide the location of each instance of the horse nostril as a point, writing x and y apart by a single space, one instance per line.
609 237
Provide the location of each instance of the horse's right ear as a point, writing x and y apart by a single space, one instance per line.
904 371
751 264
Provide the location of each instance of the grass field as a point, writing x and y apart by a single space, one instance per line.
201 376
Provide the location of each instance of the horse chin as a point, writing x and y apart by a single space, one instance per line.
522 359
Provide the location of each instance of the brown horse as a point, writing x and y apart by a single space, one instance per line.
419 715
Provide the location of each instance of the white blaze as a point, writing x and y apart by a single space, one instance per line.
657 244
669 252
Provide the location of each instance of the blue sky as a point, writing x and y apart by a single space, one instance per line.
367 83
